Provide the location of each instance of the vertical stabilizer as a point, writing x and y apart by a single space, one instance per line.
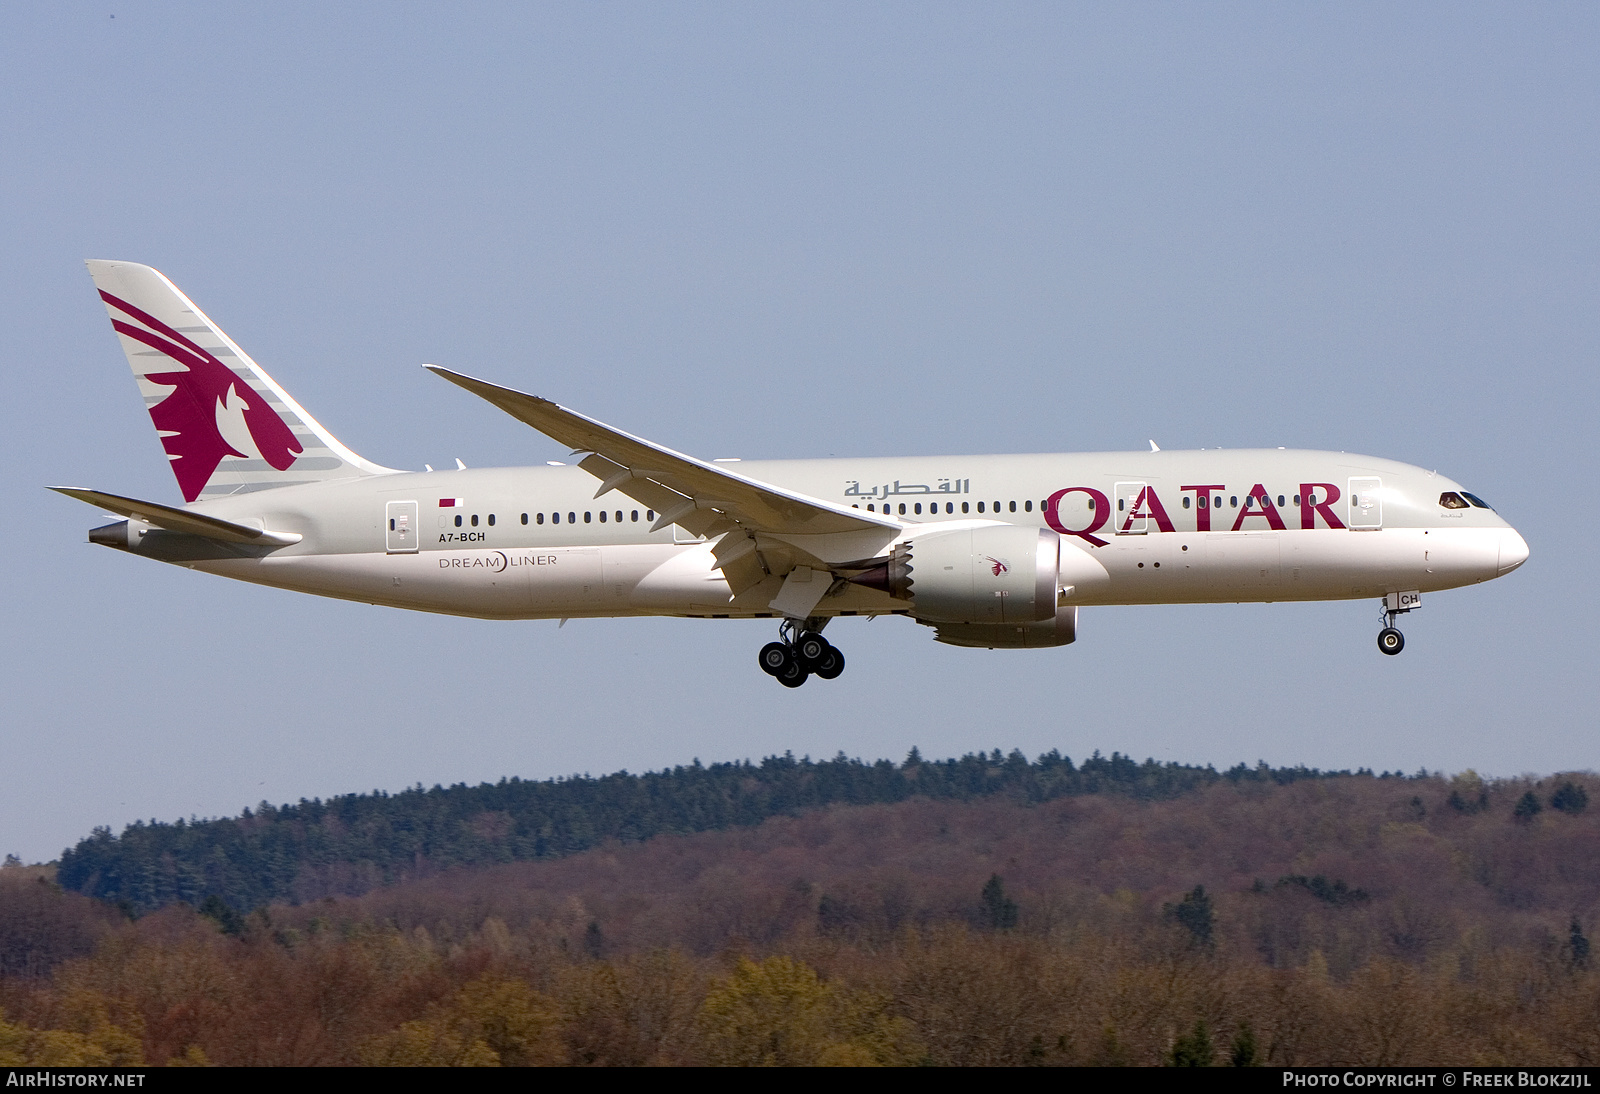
226 425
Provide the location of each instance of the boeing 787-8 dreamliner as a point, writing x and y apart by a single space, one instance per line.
989 551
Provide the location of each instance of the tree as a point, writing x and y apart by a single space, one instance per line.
1527 808
1193 1049
999 910
1577 947
1244 1052
780 1014
217 910
1571 798
1195 913
490 1022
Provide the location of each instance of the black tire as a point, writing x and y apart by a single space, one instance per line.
1391 641
775 657
831 666
793 676
811 649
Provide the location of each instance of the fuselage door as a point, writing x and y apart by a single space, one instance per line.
402 535
1366 503
1131 514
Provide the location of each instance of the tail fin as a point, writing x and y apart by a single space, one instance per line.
226 426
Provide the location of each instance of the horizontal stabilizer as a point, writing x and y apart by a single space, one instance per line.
180 520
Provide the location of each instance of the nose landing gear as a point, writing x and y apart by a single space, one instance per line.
1390 640
796 657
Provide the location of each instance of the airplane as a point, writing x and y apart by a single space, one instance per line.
991 551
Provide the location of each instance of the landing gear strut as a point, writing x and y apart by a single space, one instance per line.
1390 640
800 654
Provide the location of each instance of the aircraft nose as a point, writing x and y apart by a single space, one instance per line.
1513 550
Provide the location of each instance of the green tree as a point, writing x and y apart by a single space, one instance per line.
999 910
1571 798
1193 1049
217 910
1196 915
1244 1052
490 1022
1527 808
780 1014
1577 947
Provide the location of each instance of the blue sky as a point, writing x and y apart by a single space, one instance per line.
794 230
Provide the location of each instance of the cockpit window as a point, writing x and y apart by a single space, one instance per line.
1452 500
1479 502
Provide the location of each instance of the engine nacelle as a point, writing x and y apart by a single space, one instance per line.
999 575
1057 631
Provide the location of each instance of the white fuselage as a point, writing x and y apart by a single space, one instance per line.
534 542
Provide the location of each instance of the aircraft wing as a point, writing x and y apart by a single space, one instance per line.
180 520
704 498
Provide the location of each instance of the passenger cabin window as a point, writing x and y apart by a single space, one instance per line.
524 518
491 520
474 520
1233 500
587 517
1028 505
458 520
1186 503
980 507
541 518
636 516
1280 501
964 508
572 518
602 516
1452 500
1013 507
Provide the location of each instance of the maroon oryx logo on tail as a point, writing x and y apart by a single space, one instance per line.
211 412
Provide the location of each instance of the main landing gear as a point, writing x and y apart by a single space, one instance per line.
796 657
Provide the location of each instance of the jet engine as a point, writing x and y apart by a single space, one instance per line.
996 575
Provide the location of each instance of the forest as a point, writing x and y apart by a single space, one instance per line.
988 910
353 843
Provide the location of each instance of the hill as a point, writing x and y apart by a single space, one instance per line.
353 843
1337 920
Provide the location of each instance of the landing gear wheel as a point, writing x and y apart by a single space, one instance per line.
792 676
775 657
1391 641
831 665
811 649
